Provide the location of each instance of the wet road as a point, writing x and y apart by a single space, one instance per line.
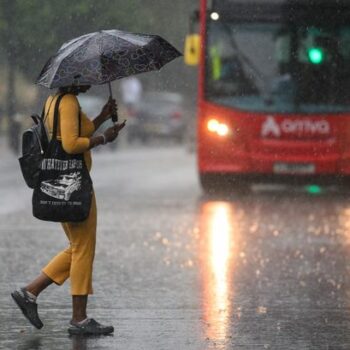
177 270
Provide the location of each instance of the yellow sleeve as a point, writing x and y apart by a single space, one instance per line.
69 125
88 125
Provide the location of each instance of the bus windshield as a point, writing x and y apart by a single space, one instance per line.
268 67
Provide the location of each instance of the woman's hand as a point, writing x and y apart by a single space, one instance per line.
112 132
108 136
109 109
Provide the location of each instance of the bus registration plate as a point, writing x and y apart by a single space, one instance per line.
293 168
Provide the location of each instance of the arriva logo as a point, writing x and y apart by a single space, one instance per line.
270 128
297 126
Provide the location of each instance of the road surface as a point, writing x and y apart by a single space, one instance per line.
175 269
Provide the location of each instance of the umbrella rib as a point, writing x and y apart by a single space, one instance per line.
125 40
64 46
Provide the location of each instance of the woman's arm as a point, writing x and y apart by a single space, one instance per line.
69 124
108 136
96 141
108 109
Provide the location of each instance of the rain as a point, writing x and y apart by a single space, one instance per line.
223 212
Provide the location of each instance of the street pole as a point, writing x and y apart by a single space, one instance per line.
13 125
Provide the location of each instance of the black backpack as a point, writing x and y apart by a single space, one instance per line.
34 145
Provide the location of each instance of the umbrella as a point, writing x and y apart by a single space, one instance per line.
101 57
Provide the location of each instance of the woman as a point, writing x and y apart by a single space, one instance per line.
76 261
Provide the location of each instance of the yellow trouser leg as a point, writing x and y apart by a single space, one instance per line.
77 260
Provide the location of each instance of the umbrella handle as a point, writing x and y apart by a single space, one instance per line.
114 115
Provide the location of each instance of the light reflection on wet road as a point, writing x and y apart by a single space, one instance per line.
217 228
269 270
284 283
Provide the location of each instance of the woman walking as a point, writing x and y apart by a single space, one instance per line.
75 262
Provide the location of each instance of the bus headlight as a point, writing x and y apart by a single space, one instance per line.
220 129
213 125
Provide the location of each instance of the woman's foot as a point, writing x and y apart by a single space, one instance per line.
28 306
89 327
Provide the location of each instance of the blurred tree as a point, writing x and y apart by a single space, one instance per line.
33 30
171 20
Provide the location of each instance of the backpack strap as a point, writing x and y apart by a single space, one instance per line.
38 120
42 120
43 111
43 115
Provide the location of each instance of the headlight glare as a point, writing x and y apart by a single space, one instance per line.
222 130
215 126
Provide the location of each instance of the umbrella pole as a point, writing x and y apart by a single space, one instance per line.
114 115
110 89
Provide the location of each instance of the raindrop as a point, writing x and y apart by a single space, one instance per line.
261 310
242 254
165 241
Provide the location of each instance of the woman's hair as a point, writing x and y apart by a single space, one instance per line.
73 89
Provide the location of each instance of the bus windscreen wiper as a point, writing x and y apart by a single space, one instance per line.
245 61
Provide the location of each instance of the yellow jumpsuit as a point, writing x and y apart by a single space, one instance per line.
76 261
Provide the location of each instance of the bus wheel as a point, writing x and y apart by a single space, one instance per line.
209 183
218 184
344 185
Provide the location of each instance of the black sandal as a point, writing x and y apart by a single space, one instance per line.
89 327
28 307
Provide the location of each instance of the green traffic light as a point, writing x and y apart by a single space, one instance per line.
314 189
316 55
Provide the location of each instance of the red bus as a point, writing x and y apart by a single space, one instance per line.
274 91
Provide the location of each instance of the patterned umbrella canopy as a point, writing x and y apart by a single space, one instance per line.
104 56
